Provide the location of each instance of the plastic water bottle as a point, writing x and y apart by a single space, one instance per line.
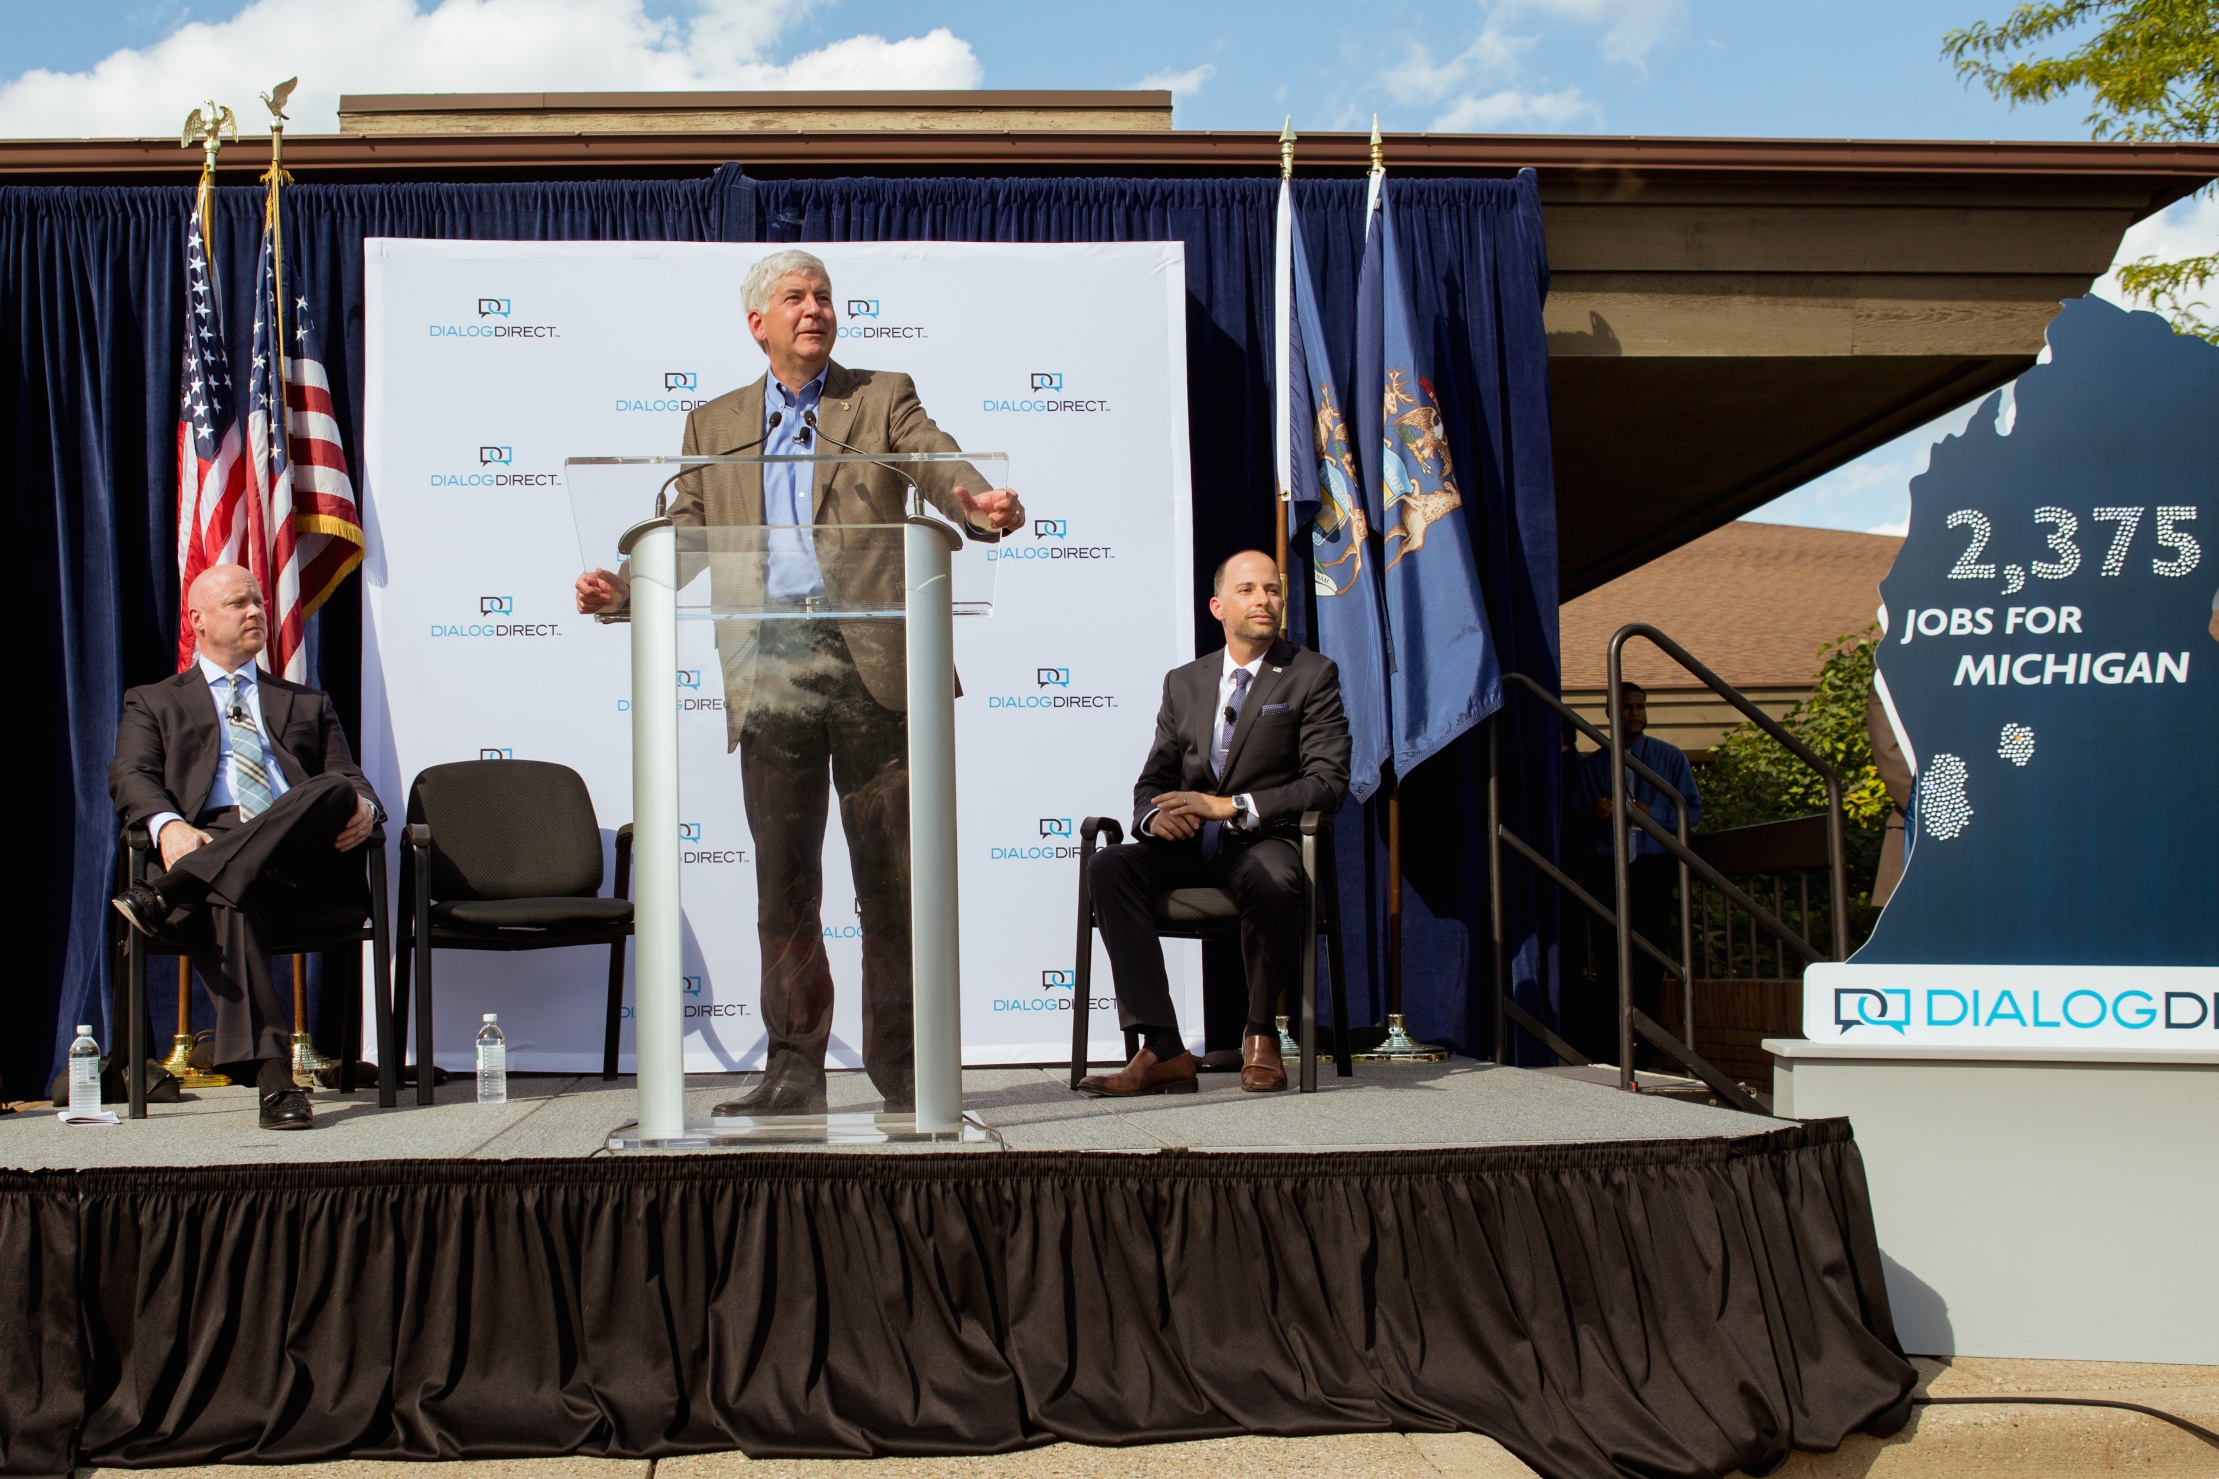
84 1074
493 1062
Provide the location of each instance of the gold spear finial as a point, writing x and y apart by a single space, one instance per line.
1286 150
1378 150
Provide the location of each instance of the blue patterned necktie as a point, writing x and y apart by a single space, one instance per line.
250 782
1221 753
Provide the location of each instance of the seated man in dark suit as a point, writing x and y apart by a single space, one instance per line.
247 786
1248 739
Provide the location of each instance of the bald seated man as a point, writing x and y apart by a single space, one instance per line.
1248 739
253 799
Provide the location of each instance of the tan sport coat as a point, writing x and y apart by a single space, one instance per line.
875 411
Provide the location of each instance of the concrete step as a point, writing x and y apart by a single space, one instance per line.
2015 1441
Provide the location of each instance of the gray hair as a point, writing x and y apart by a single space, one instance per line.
755 288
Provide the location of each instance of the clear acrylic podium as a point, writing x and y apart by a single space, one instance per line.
888 561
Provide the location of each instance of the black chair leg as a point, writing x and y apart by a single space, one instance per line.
1306 982
141 1049
381 967
1336 970
1082 982
350 1022
425 1071
616 1010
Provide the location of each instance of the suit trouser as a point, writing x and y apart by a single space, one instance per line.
809 719
1264 876
248 874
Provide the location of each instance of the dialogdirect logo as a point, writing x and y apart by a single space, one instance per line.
1051 540
494 319
679 381
1057 985
1054 846
496 469
690 698
866 318
1047 396
691 850
2084 1009
496 607
1051 691
496 752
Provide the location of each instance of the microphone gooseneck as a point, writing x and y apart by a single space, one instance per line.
809 425
662 494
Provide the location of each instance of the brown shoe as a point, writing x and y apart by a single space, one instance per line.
1144 1075
1262 1070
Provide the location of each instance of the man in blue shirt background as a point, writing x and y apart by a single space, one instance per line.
1591 1010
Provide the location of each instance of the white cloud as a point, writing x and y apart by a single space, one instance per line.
1900 528
1631 28
341 46
1511 109
1495 55
2187 228
1180 84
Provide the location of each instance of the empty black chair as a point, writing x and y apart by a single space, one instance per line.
316 925
504 855
1211 914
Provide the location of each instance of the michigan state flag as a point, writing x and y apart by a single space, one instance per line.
1443 672
1317 468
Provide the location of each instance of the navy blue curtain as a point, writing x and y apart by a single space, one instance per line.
90 302
91 289
1479 271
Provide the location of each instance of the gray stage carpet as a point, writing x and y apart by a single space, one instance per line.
1458 1103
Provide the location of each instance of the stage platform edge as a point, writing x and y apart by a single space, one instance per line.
1703 1296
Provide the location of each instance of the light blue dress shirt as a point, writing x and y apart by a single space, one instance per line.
793 574
225 792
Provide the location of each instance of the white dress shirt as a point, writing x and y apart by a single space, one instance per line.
1246 818
225 792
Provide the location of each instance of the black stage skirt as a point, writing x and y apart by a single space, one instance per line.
1683 1307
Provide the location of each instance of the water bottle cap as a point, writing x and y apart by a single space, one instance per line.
492 1016
84 1029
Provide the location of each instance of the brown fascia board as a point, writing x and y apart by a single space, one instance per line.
1589 165
681 102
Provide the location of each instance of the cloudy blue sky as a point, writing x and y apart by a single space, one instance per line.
1808 68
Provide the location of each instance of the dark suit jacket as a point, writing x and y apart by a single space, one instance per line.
874 410
167 744
1289 749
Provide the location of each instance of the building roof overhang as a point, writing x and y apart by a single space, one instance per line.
1727 319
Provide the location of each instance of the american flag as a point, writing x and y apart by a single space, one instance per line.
211 470
304 531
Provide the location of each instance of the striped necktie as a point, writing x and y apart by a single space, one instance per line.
250 780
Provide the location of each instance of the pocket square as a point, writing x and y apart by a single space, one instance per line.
1271 709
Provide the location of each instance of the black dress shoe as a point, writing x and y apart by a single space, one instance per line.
143 907
287 1109
778 1095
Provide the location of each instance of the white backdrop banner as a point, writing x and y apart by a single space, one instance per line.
491 362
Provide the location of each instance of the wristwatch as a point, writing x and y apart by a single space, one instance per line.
1244 815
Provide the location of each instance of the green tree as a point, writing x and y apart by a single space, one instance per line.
2153 67
1753 778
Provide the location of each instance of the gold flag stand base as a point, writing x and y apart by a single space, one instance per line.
307 1061
1400 1047
179 1065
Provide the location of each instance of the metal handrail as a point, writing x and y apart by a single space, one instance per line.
1632 1021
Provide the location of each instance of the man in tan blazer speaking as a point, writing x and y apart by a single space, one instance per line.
810 701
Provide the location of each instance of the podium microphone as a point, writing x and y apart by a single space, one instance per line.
663 493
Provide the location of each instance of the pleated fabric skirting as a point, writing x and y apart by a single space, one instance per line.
1684 1307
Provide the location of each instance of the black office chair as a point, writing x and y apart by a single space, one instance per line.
1211 914
505 855
322 925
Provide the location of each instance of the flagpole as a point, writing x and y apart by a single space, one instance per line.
206 125
1398 1046
1285 325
